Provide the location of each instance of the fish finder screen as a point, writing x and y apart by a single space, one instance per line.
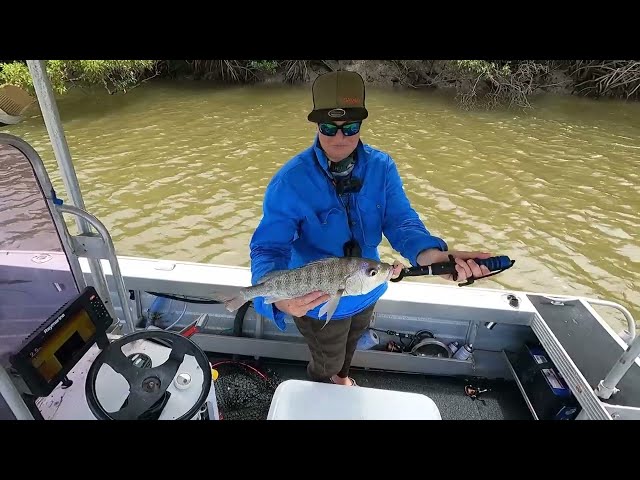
58 344
60 348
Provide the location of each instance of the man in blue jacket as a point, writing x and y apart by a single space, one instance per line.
337 198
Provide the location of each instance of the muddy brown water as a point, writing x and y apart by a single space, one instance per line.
177 170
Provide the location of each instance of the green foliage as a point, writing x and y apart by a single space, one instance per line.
267 66
486 83
481 67
115 75
15 74
496 83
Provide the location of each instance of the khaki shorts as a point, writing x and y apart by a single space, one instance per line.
333 346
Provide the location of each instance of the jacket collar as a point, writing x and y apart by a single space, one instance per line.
323 161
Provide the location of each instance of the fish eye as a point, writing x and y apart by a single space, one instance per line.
372 272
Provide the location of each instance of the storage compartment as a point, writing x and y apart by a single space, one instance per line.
545 391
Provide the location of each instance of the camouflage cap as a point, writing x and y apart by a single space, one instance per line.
338 96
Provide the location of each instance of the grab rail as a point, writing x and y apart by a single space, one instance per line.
631 323
110 255
607 386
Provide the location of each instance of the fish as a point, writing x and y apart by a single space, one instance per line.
336 276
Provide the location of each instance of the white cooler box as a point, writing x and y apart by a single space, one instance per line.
305 400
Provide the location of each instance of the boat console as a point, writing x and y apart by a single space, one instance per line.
69 369
67 347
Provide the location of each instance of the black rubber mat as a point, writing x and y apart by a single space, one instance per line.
245 395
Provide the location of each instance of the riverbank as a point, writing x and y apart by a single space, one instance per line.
474 83
413 73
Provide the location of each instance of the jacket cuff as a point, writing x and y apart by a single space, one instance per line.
415 247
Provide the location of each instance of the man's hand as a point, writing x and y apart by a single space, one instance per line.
465 266
299 306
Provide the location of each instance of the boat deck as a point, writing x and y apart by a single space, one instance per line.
247 397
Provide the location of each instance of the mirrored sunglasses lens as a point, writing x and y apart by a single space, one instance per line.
328 129
351 129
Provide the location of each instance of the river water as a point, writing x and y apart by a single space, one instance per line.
177 170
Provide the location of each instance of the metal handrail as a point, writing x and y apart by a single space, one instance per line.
631 323
111 257
607 386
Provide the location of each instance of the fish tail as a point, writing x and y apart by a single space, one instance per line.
234 303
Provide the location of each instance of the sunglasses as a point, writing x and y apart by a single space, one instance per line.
348 129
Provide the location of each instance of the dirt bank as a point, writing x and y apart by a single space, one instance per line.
374 72
472 83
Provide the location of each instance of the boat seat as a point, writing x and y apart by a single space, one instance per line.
14 102
306 400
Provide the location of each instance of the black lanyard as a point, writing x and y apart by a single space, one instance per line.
351 248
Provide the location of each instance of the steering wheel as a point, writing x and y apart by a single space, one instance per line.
147 386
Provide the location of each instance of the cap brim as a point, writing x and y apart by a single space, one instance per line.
351 115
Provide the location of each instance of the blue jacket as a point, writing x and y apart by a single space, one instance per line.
304 220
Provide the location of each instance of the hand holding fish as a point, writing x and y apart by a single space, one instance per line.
325 281
465 265
299 306
397 268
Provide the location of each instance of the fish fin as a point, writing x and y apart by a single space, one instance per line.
269 300
330 307
320 260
